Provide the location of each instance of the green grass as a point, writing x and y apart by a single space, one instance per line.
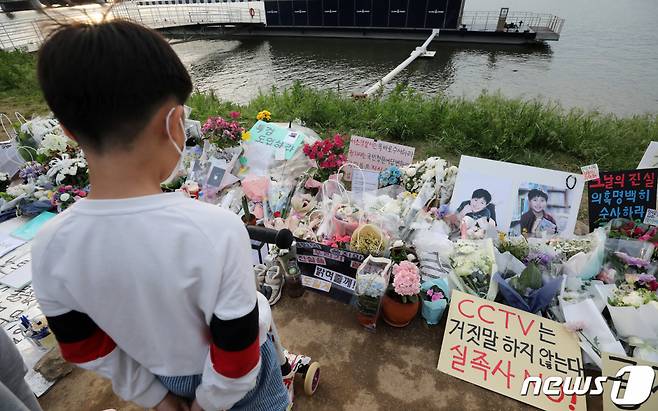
19 89
491 126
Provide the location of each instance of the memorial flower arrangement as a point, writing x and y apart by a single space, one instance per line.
338 241
65 196
264 115
628 229
368 239
371 283
329 155
435 300
222 133
69 170
473 264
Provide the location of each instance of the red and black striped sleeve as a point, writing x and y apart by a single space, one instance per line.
80 339
235 348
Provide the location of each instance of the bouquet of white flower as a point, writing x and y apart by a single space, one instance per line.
474 263
54 145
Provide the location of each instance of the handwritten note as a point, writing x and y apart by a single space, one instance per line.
277 137
375 155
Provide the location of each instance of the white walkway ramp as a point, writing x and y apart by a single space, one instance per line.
27 29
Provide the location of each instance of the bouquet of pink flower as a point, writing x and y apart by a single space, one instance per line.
221 132
329 155
65 196
338 241
406 282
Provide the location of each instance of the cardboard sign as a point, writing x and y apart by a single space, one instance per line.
496 347
650 158
276 137
631 383
334 268
377 155
627 194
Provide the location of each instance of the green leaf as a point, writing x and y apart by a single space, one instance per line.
531 277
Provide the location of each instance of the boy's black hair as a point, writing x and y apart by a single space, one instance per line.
482 193
537 193
105 81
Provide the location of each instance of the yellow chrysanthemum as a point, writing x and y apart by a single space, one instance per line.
264 115
246 136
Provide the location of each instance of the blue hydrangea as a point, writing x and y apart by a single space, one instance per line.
390 176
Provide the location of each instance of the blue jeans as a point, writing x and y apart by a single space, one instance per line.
269 394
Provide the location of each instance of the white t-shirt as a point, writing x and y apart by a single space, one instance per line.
150 272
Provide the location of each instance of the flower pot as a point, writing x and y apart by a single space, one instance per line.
398 314
432 311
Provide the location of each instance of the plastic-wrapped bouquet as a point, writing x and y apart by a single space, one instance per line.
221 132
474 263
338 241
517 246
329 154
435 294
626 257
435 171
629 229
633 308
372 279
368 239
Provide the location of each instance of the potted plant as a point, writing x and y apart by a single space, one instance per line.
435 294
400 303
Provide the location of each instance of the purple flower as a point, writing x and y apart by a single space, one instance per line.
628 260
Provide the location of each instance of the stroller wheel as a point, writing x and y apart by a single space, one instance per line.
312 378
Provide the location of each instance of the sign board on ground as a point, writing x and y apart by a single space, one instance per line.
327 270
496 347
621 194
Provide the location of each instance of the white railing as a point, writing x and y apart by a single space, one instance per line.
488 21
27 31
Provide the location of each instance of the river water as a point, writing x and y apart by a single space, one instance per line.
606 60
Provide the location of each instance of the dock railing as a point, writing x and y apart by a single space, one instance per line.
27 32
488 21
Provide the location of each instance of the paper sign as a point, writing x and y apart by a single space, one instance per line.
651 218
316 283
633 383
377 155
621 194
276 137
28 230
590 172
9 244
364 182
496 347
20 276
650 158
335 266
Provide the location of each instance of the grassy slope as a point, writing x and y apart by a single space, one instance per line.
491 126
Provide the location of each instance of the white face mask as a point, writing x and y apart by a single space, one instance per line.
179 165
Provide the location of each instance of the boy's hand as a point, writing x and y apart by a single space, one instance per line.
172 403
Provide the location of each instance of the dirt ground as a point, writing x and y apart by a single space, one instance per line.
391 369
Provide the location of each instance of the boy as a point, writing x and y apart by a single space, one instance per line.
478 206
154 291
536 220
